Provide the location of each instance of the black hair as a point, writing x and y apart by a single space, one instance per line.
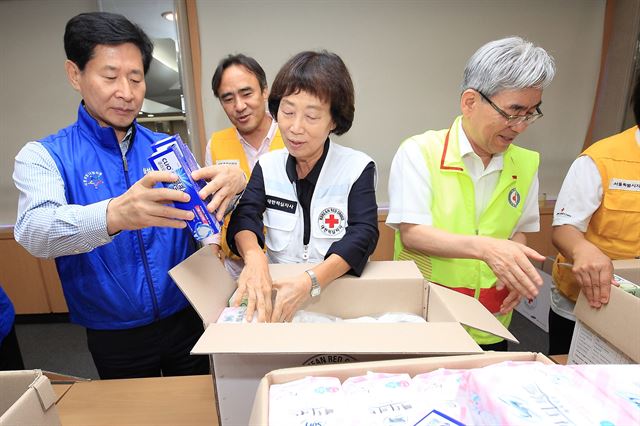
85 31
322 74
242 60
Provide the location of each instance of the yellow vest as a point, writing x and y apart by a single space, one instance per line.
226 148
615 227
453 210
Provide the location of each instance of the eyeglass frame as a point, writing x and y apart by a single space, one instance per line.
514 120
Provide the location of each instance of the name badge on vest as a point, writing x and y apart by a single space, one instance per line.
625 184
281 204
227 162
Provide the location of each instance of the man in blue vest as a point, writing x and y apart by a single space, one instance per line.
89 199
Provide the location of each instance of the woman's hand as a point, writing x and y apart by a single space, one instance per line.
291 294
255 283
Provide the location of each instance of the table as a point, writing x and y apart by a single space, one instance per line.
186 400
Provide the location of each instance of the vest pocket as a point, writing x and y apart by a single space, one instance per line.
279 226
622 217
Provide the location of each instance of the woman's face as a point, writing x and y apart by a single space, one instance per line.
305 122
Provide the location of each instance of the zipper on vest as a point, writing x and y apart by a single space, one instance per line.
143 252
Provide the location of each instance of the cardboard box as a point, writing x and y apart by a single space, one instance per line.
27 398
413 367
243 353
609 335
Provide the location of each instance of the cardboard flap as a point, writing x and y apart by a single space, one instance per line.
63 379
355 338
44 390
205 283
464 309
617 321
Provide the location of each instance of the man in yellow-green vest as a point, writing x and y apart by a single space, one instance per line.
461 198
596 220
240 84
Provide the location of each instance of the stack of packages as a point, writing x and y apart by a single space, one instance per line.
508 393
173 155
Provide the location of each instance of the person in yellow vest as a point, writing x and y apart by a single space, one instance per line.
461 198
596 219
240 84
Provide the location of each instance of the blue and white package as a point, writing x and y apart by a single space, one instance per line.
203 224
183 150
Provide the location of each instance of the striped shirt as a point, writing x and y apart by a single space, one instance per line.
47 226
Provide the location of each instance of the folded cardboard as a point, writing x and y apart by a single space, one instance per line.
413 367
27 398
243 353
609 335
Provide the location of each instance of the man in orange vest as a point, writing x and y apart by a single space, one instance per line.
240 84
596 220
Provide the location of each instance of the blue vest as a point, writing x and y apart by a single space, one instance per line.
7 315
125 283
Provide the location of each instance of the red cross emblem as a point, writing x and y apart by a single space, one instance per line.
331 221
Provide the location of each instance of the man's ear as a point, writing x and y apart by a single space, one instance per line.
469 101
73 74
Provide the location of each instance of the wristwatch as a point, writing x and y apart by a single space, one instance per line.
315 285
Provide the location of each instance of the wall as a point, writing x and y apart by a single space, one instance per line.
37 100
407 58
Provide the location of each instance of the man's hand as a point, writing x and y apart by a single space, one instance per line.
225 182
594 272
255 283
143 205
509 261
510 302
292 293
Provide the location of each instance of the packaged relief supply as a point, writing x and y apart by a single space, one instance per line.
507 393
173 155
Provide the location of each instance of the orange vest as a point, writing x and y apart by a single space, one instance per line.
615 227
226 148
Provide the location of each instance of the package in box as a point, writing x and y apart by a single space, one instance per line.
242 353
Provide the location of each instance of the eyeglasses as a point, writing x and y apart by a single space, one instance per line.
514 120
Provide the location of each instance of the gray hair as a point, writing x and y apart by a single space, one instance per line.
511 63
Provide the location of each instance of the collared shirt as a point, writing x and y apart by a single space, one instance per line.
357 244
305 187
250 152
410 194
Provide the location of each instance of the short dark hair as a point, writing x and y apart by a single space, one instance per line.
87 30
242 60
321 74
635 99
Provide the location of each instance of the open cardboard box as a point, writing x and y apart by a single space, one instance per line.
244 353
27 398
413 367
609 335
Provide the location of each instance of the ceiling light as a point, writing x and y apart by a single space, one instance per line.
169 16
